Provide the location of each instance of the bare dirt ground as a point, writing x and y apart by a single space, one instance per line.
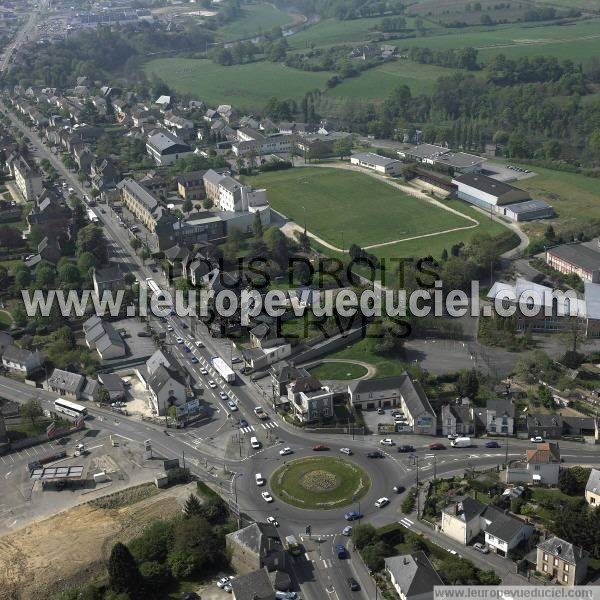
72 546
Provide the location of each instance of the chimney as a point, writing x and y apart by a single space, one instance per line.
405 561
559 549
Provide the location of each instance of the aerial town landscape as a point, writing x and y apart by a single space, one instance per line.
299 299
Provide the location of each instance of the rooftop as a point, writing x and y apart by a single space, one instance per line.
375 159
413 573
65 380
567 551
593 482
486 184
579 255
545 453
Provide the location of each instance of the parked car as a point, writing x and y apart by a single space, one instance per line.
538 439
387 442
212 384
267 497
232 405
452 436
320 447
223 396
286 451
375 454
346 451
179 340
186 349
383 501
406 448
273 521
492 444
352 515
436 446
481 547
223 581
347 531
353 584
380 411
203 371
194 360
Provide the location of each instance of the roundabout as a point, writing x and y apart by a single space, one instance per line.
320 483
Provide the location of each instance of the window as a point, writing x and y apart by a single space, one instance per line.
592 500
566 568
565 578
545 556
536 467
545 568
555 562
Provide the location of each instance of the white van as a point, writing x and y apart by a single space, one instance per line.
254 443
259 479
461 442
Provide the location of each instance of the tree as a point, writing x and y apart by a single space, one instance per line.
135 243
10 237
192 506
91 239
69 276
468 384
257 227
102 395
458 571
572 481
343 147
32 410
45 274
207 203
123 573
363 535
187 205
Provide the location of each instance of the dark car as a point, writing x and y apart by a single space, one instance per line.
340 550
320 447
243 423
398 488
184 325
436 446
375 454
406 448
352 515
492 445
353 584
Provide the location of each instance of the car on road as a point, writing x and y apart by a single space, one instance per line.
199 344
194 360
186 349
380 411
492 445
203 371
243 423
340 550
267 496
481 547
383 501
286 451
223 396
352 515
169 327
260 480
346 451
347 530
320 448
223 582
179 340
211 384
232 406
538 439
387 442
353 584
398 488
452 436
273 521
375 454
436 446
406 448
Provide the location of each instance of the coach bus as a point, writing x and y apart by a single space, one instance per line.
69 408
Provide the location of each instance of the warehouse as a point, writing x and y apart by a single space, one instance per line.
528 210
487 192
376 162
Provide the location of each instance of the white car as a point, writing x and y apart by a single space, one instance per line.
387 442
212 384
346 451
286 451
273 521
223 582
481 547
537 439
382 502
179 340
267 497
199 344
223 396
232 405
203 371
227 588
169 327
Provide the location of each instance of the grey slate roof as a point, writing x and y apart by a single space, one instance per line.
17 355
577 254
112 382
258 538
503 526
413 573
567 551
593 482
163 140
468 509
375 159
164 358
139 192
65 380
255 585
486 184
501 407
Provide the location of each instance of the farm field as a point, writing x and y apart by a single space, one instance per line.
248 86
255 19
345 207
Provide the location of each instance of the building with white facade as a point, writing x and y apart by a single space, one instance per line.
376 162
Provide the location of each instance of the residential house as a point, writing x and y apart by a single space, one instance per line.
101 336
178 125
256 585
90 390
283 374
113 384
320 144
227 113
190 186
546 425
566 563
541 466
456 419
592 488
142 203
68 385
255 547
5 340
48 251
83 157
51 213
28 178
500 417
228 194
377 163
108 278
165 148
400 391
104 175
310 400
167 388
412 576
270 352
461 520
23 361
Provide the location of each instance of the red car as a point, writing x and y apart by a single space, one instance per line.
436 446
320 447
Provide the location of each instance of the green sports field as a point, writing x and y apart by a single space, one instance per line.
344 207
254 20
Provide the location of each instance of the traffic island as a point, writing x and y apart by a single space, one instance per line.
320 482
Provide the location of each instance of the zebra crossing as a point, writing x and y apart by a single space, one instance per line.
250 428
407 522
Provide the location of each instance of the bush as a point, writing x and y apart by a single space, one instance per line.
363 535
156 574
152 545
408 504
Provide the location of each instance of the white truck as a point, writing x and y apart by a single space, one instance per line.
223 369
461 442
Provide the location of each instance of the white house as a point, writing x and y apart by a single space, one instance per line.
309 399
412 576
23 361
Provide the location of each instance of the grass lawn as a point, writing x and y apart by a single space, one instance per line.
254 20
248 86
320 482
340 371
345 207
27 429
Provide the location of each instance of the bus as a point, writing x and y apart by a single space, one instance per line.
69 408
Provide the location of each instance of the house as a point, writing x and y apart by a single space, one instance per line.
107 279
269 353
547 426
141 202
48 251
566 563
167 388
592 488
541 466
400 391
28 178
103 337
5 340
310 400
228 194
320 144
412 576
255 547
163 102
252 141
23 361
90 390
113 384
66 384
500 417
582 260
456 419
190 186
256 585
377 163
283 374
467 518
165 148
